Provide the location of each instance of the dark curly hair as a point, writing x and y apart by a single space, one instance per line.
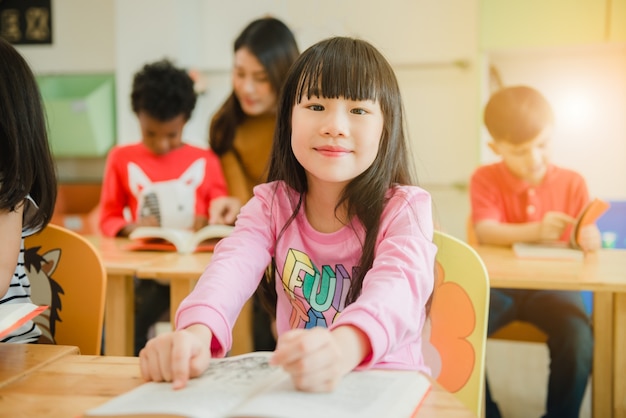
163 91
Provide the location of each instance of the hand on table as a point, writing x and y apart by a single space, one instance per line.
176 356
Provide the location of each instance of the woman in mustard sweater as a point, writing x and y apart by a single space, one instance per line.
242 130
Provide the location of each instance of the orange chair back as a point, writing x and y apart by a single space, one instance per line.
67 274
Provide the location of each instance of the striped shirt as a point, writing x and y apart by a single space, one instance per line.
19 289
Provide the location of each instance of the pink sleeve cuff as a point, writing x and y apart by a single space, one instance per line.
222 340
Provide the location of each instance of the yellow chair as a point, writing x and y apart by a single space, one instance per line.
515 330
456 329
67 274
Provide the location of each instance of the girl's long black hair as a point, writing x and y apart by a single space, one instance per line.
26 164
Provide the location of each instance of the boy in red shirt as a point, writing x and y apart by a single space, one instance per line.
161 180
524 198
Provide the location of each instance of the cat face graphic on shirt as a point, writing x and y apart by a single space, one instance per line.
173 202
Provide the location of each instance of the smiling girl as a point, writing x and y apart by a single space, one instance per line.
348 239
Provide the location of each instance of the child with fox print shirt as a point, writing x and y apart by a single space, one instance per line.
161 181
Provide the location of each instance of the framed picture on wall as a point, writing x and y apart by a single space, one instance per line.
24 22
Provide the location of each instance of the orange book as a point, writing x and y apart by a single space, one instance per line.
14 315
589 215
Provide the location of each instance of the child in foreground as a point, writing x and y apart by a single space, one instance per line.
525 198
28 186
349 240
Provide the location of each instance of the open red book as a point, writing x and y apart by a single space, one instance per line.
14 315
154 238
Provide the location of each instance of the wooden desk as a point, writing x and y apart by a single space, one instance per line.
182 271
603 272
19 360
121 266
73 384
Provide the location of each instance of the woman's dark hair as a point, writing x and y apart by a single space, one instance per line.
26 164
274 45
328 70
163 91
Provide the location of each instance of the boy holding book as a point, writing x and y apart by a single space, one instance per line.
161 181
525 198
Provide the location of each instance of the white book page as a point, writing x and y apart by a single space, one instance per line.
373 393
226 384
10 313
557 250
210 232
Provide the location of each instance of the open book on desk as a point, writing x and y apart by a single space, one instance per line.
14 315
247 386
564 250
155 238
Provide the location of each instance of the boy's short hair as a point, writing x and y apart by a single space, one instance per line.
163 91
517 114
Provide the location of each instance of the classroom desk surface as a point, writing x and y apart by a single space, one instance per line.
182 271
121 266
74 384
119 260
603 272
18 360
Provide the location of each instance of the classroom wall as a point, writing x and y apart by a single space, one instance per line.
83 41
586 86
433 46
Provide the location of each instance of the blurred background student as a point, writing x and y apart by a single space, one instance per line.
161 180
242 130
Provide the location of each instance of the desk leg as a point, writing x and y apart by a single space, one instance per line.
119 316
179 289
602 373
242 330
619 359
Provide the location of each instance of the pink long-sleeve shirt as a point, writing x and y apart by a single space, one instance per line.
314 271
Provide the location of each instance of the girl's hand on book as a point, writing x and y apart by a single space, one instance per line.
590 238
311 358
176 356
317 358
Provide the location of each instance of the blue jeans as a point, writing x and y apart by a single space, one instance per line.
561 315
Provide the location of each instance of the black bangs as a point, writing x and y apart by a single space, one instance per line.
340 67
